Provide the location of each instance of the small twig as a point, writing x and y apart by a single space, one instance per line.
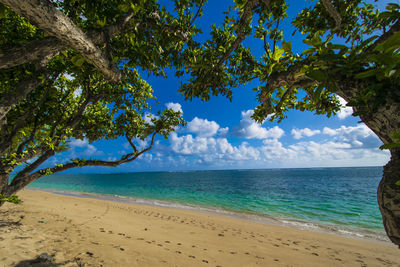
131 143
198 12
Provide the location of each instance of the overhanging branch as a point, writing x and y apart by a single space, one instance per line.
24 178
51 20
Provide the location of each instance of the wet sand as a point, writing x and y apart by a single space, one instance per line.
73 231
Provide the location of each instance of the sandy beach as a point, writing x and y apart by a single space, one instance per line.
75 231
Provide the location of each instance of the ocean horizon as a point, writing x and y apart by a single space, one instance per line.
337 200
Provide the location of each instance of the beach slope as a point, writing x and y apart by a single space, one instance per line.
76 231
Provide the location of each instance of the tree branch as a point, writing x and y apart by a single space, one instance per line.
395 28
34 50
241 34
283 98
197 13
23 178
51 46
333 12
51 20
131 143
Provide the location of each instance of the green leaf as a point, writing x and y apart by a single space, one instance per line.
124 7
317 93
397 183
101 23
365 74
390 146
391 43
287 46
2 11
78 60
316 75
278 54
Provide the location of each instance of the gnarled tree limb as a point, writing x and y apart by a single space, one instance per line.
24 177
51 20
34 50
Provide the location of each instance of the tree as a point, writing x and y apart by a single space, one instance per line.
353 53
69 70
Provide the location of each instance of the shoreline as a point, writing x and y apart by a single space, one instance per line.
318 227
82 231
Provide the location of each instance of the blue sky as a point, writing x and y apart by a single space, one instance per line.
221 135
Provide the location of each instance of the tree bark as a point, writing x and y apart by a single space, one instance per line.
389 197
384 122
3 183
51 20
34 50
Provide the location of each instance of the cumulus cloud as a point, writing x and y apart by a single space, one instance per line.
344 110
202 127
174 106
343 146
306 132
89 149
249 129
358 136
273 149
223 131
211 149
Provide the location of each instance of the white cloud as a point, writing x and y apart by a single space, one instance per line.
202 127
212 149
223 131
358 136
306 132
344 110
148 117
174 106
249 129
90 150
79 143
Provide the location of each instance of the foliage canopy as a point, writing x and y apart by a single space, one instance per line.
84 82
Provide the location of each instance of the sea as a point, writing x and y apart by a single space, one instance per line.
334 200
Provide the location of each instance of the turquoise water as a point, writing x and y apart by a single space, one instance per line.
340 199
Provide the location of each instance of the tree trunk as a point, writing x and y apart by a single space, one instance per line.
389 197
3 183
3 186
385 122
